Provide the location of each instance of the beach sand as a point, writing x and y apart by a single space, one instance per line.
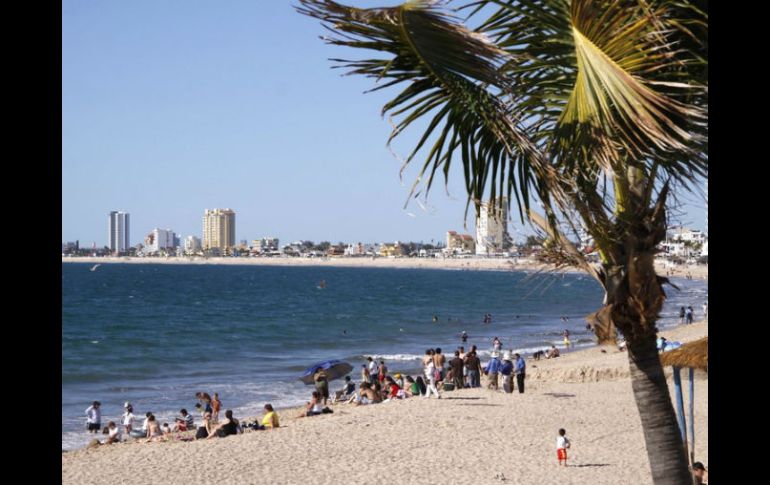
471 264
472 435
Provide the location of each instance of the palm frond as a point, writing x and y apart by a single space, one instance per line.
454 79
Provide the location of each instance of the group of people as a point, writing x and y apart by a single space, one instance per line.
686 315
152 430
464 370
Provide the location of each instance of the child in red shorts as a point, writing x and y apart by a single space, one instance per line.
562 443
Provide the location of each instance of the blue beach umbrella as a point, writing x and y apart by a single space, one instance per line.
334 370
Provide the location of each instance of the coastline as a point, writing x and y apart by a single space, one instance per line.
471 264
420 440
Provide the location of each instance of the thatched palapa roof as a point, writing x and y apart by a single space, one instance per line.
693 354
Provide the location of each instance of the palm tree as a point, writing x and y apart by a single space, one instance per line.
596 110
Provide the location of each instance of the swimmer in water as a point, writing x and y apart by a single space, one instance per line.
435 319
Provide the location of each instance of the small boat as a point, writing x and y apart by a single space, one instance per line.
95 266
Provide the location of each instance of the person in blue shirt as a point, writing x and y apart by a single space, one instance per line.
493 367
519 369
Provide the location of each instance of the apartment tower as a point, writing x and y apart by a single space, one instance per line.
119 232
218 229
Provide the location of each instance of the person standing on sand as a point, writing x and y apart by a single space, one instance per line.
562 443
216 405
493 367
519 369
382 371
439 360
365 374
372 370
688 314
94 417
322 384
128 418
706 311
458 366
506 370
681 315
473 364
430 373
565 334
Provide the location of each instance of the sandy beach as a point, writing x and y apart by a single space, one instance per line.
471 435
474 264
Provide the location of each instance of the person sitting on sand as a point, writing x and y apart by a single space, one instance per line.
183 422
422 389
552 353
346 392
229 426
114 433
270 420
410 387
153 429
166 430
392 390
314 407
367 395
205 429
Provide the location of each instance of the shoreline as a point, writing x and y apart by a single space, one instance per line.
415 438
470 264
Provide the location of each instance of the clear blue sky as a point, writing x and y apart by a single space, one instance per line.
172 107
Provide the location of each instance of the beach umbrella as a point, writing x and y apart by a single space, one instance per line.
334 370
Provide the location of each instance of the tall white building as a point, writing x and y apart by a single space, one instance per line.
218 229
160 239
192 245
119 232
492 229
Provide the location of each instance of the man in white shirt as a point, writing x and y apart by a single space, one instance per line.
373 371
94 417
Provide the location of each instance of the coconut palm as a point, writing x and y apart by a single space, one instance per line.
595 110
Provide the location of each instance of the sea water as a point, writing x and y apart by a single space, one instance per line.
155 334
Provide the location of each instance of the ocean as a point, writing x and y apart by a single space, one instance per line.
156 334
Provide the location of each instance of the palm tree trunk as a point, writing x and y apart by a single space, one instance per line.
668 460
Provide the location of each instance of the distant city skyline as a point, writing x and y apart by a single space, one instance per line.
172 108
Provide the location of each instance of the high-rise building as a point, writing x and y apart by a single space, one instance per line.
192 245
218 229
160 239
492 229
119 232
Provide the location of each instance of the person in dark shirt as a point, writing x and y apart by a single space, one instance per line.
457 364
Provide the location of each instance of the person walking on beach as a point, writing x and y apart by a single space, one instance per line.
562 443
688 314
519 369
706 311
430 374
94 417
681 315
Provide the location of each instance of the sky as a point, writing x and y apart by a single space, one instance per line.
170 108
